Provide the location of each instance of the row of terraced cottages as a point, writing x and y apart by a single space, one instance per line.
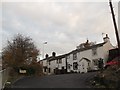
81 60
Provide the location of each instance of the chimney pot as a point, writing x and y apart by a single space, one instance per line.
46 55
53 54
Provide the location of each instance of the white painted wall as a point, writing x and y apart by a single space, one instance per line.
44 64
106 49
83 66
86 54
70 61
53 65
102 52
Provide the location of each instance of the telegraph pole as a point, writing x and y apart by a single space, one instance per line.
115 26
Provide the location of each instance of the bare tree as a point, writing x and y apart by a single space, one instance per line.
20 52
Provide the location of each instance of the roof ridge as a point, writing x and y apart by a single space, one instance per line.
76 50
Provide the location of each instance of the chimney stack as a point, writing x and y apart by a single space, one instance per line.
46 55
106 39
53 54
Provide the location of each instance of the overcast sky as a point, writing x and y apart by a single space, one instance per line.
64 25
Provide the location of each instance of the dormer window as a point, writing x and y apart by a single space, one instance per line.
59 61
74 56
68 57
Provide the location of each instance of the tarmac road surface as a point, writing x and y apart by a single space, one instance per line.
55 81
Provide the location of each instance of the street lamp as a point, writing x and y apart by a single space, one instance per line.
43 48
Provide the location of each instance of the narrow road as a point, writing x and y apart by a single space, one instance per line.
55 81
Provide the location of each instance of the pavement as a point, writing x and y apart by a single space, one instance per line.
55 81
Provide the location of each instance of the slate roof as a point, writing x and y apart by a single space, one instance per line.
87 48
74 51
56 57
85 59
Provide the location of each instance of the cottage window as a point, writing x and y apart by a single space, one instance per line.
88 64
68 57
68 66
94 51
60 60
45 69
57 61
95 61
75 65
49 70
74 56
62 68
49 62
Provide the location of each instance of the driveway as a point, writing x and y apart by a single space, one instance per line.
55 81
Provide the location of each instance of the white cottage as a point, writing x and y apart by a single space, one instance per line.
54 64
84 65
83 59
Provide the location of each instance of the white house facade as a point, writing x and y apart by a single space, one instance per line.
84 65
81 60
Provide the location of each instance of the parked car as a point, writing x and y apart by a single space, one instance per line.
115 61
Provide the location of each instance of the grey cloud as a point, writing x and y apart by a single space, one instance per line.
62 25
